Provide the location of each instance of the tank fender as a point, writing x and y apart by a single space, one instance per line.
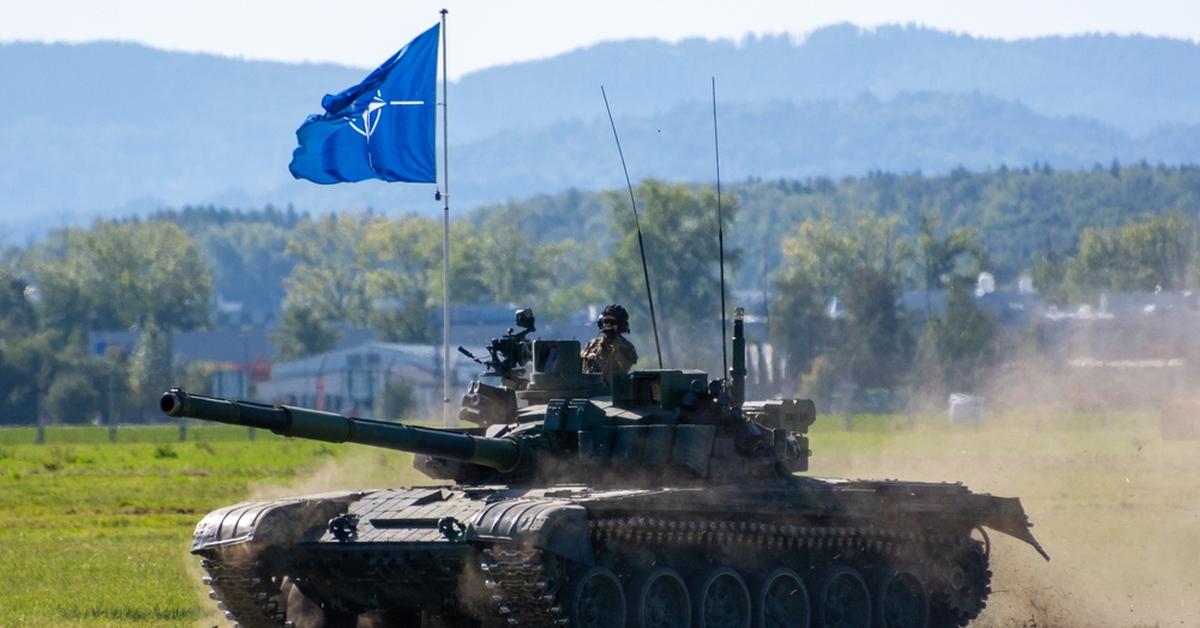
554 526
255 526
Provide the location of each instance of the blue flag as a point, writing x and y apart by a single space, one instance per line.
382 128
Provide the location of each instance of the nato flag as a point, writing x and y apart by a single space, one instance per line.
382 128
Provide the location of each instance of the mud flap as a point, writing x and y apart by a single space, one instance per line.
1008 516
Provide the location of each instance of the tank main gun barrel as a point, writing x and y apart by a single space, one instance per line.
498 453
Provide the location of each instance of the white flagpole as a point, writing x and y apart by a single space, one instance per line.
445 237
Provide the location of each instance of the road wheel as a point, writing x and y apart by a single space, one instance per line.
902 600
660 600
596 600
842 599
783 601
722 600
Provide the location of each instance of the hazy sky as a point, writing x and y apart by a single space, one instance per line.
492 32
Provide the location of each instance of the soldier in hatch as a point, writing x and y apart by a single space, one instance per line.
610 352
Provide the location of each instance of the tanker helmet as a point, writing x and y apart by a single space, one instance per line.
614 315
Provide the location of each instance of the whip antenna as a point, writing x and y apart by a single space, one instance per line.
637 223
720 229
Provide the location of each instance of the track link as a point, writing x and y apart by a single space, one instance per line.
522 592
245 594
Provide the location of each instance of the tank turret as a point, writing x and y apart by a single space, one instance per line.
559 424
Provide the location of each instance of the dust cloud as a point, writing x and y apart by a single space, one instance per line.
1114 502
357 468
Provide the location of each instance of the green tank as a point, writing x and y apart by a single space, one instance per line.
662 501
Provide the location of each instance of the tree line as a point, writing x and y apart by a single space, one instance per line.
832 257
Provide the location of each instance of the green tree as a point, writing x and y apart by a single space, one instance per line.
150 368
954 258
248 261
515 267
510 268
403 264
959 347
74 397
330 277
29 356
562 285
679 226
303 332
799 323
366 270
399 399
17 315
1049 276
820 261
28 364
120 275
1155 253
876 341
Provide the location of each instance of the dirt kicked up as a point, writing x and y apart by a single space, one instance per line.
1115 505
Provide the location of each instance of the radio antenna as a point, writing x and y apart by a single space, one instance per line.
720 229
637 223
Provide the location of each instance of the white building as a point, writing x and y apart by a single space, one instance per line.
352 380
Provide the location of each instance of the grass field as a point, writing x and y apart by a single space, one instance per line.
96 533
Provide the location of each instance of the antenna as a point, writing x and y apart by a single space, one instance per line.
637 223
720 229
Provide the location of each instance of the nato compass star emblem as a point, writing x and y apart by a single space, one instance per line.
374 112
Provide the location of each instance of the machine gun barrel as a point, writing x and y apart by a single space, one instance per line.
498 453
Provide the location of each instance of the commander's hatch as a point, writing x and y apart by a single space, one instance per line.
558 374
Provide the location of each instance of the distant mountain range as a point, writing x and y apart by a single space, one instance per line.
104 128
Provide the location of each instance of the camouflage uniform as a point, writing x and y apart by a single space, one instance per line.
607 354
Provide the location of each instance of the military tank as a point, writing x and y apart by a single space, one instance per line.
664 500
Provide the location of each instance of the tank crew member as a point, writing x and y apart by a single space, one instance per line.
610 352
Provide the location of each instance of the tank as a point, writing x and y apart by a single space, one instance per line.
663 500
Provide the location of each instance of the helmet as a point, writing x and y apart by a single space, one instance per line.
618 313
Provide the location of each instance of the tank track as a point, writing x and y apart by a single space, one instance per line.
522 590
649 530
246 595
522 583
954 566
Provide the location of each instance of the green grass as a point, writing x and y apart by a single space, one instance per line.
94 533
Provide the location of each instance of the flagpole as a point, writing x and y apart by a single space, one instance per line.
445 236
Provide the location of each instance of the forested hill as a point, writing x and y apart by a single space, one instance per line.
921 132
106 128
1022 216
567 249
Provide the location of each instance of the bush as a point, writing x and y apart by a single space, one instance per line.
398 399
819 383
198 376
73 398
